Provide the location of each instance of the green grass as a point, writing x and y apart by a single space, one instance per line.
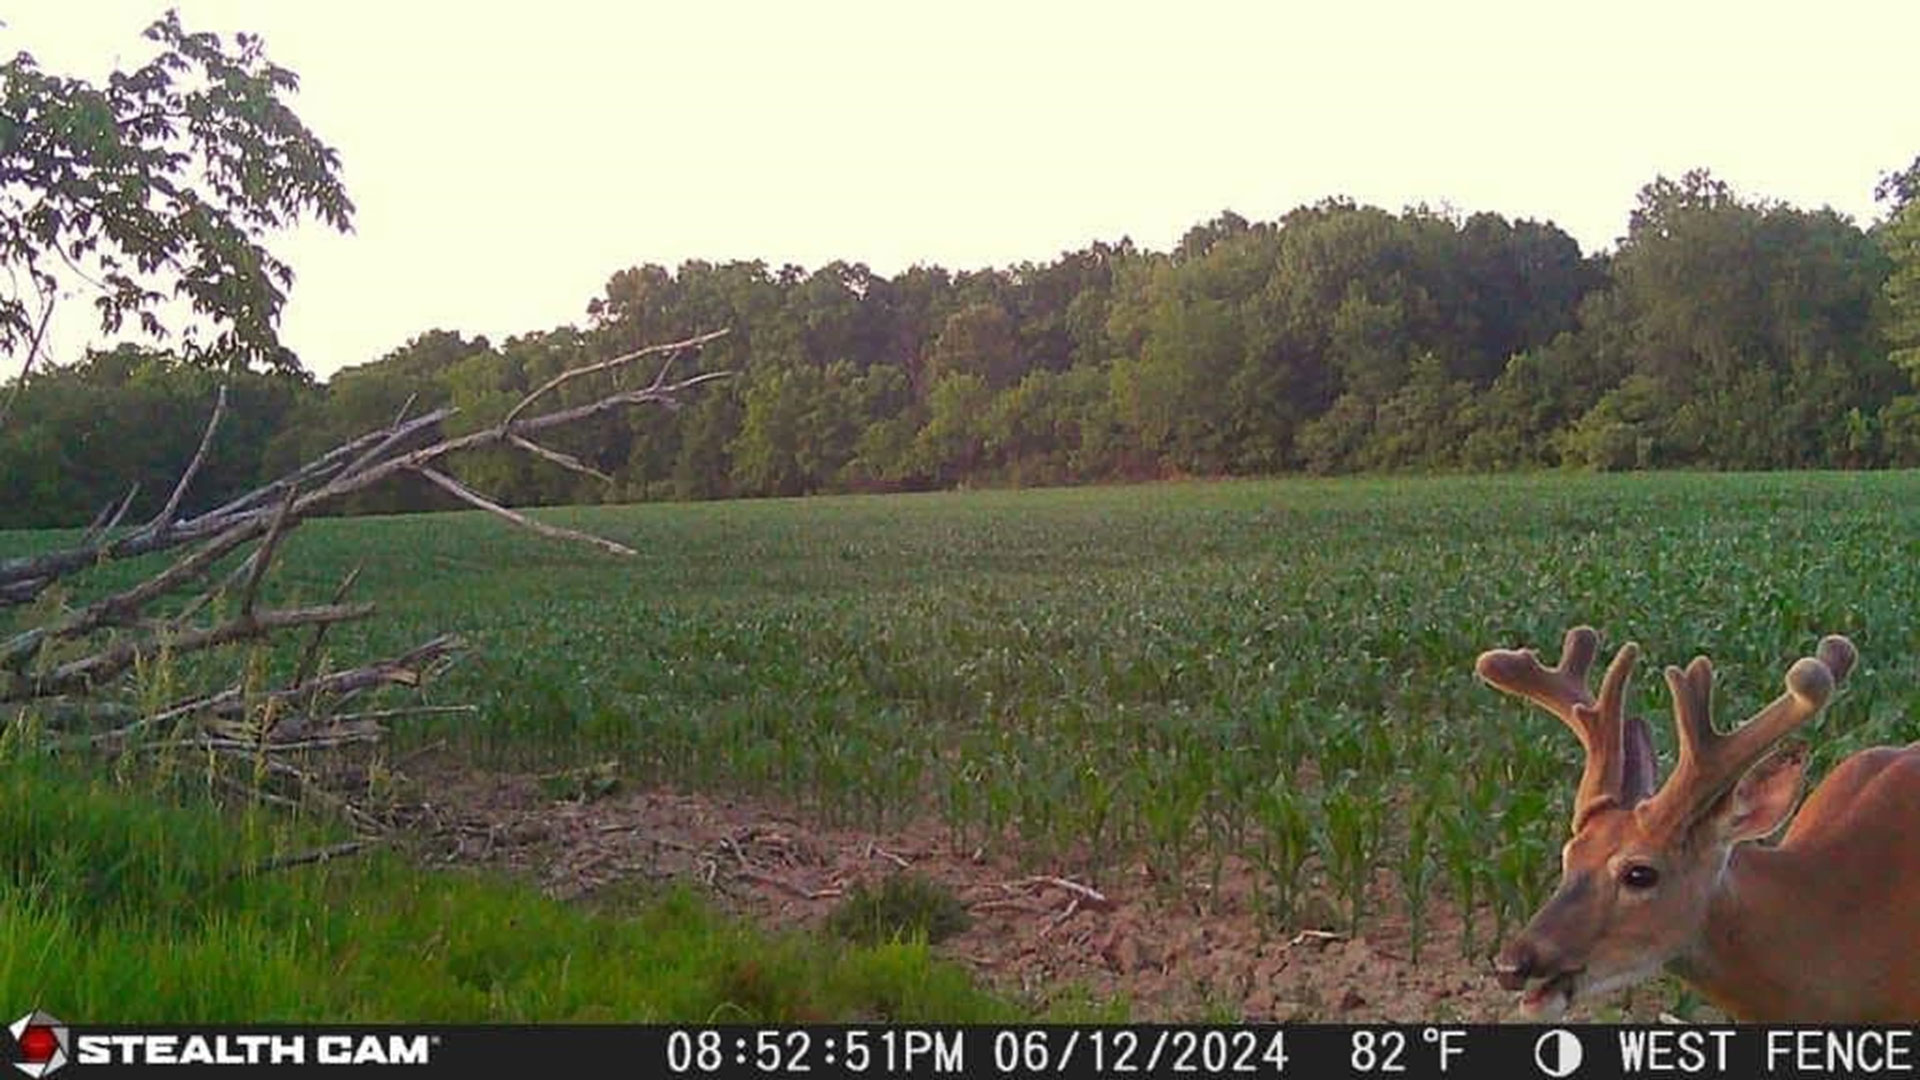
119 906
904 905
1175 673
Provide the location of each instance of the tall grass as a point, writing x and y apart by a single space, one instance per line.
120 905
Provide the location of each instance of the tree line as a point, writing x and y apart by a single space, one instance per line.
1723 332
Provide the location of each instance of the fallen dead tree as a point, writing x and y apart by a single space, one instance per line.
70 679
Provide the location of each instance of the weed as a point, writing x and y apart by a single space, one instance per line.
906 906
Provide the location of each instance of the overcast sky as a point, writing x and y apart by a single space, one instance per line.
506 159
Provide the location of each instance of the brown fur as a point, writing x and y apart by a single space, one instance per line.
1825 927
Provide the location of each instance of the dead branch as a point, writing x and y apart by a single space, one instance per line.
121 607
307 858
401 432
263 556
164 519
110 517
874 850
47 297
245 747
408 669
355 466
1082 893
81 676
341 459
82 685
467 494
565 461
22 579
1068 912
778 882
1028 906
311 657
498 434
672 349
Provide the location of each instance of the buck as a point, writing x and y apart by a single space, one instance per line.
1823 926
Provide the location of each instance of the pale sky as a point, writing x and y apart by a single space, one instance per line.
507 159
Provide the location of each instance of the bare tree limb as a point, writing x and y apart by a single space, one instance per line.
671 348
405 670
120 608
241 725
376 715
400 434
467 494
367 463
84 674
109 518
47 298
662 395
311 658
333 462
263 555
164 519
228 745
565 461
652 394
318 855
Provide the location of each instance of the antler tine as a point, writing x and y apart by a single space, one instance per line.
1562 690
1838 654
1710 762
1601 783
1613 686
1556 689
1692 689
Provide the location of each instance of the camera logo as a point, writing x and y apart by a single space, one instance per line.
41 1044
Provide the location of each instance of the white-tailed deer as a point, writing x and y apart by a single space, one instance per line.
1822 927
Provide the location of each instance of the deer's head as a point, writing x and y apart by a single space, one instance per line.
1643 864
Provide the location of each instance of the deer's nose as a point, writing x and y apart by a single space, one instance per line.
1516 964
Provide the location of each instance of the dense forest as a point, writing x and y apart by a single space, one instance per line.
1723 332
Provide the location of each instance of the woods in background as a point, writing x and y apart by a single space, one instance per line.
1724 332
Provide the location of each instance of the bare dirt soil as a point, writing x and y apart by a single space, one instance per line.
1031 934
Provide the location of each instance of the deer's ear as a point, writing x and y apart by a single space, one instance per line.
1764 798
1640 766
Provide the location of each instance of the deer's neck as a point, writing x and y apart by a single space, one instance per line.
1752 959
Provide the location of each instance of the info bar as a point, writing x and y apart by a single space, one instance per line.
1405 1052
44 1047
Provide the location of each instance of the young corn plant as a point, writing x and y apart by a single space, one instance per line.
1351 830
1095 791
1045 797
1463 853
1531 828
1416 866
1514 863
964 803
1177 792
1002 797
1223 811
1286 841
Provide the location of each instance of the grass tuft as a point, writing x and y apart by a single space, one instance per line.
903 907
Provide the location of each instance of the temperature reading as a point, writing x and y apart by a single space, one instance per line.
1378 1051
1386 1051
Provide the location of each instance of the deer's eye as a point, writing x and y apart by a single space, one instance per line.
1639 876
